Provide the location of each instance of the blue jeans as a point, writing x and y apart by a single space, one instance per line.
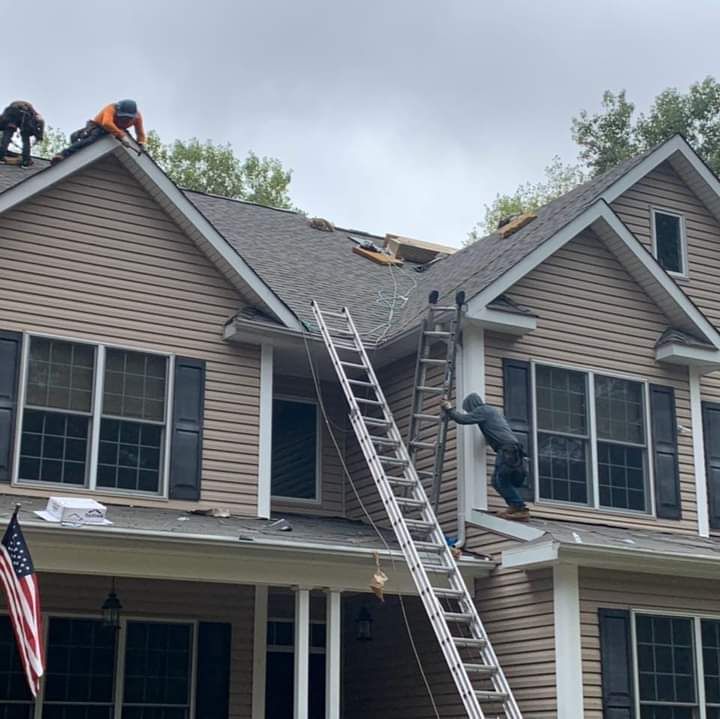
509 474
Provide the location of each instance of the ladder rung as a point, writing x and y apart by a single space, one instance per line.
467 642
430 389
419 525
437 333
486 670
444 593
363 400
488 696
410 502
423 445
424 473
458 617
360 382
427 360
327 313
401 481
439 569
427 417
344 346
375 422
393 460
431 547
352 364
384 440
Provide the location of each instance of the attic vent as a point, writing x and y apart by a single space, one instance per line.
320 223
417 251
512 223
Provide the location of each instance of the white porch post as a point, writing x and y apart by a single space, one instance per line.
302 653
333 657
265 456
472 482
568 647
259 653
698 439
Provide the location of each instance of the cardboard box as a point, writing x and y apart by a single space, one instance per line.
74 510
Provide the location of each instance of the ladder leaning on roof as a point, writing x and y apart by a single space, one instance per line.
479 679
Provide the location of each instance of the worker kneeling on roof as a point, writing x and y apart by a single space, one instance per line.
114 119
510 463
22 117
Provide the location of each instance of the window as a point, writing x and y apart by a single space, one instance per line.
83 669
671 653
592 453
71 416
295 450
669 241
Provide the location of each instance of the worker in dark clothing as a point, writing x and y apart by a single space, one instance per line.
510 471
114 119
22 117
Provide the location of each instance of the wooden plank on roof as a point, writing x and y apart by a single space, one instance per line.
378 257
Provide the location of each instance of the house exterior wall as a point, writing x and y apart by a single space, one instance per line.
83 595
593 316
624 590
95 258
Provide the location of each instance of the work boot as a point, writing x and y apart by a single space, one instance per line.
516 514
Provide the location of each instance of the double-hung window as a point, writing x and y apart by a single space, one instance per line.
591 439
93 416
669 241
678 667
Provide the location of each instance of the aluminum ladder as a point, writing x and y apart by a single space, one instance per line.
480 681
427 436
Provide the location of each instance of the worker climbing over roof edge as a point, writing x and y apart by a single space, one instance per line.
20 116
510 470
114 119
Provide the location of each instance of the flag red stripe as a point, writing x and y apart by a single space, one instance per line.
26 609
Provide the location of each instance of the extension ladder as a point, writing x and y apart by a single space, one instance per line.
480 681
427 435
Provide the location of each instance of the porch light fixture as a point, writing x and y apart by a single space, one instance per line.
111 609
363 625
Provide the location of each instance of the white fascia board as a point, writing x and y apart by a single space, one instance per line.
535 555
193 217
698 440
498 321
678 353
505 527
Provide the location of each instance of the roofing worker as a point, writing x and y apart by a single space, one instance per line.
22 117
510 471
114 119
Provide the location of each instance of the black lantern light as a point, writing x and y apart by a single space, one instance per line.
363 625
111 609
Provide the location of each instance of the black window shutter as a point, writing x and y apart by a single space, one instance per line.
665 452
711 440
518 411
10 345
212 693
616 662
187 429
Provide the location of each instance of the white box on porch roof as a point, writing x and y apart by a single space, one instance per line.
74 510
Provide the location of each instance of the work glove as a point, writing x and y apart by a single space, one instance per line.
126 141
446 405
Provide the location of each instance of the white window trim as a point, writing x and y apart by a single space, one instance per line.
594 492
120 655
290 648
316 501
94 438
683 239
696 618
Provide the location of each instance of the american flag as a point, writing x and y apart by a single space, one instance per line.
23 600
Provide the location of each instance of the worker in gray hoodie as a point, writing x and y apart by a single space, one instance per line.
510 470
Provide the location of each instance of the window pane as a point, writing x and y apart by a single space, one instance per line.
666 712
157 670
60 375
134 385
13 686
619 410
666 664
54 447
130 455
561 400
80 670
562 463
711 659
621 472
294 449
669 242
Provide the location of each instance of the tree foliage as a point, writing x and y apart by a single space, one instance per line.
53 141
215 169
559 179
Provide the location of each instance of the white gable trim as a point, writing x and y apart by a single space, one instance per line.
159 185
644 268
512 323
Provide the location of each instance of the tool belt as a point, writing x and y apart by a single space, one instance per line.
84 132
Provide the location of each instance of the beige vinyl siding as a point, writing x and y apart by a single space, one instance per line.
83 595
592 315
517 609
624 590
95 258
396 381
332 478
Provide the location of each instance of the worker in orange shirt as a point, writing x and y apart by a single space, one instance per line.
114 119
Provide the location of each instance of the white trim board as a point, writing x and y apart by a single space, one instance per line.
506 527
165 192
698 440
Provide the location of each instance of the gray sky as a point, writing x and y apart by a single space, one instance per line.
402 116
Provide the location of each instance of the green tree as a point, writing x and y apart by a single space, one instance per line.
53 141
559 179
207 167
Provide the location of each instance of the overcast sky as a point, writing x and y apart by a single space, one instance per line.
401 116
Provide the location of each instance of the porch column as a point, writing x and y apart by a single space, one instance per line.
260 652
333 657
302 653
